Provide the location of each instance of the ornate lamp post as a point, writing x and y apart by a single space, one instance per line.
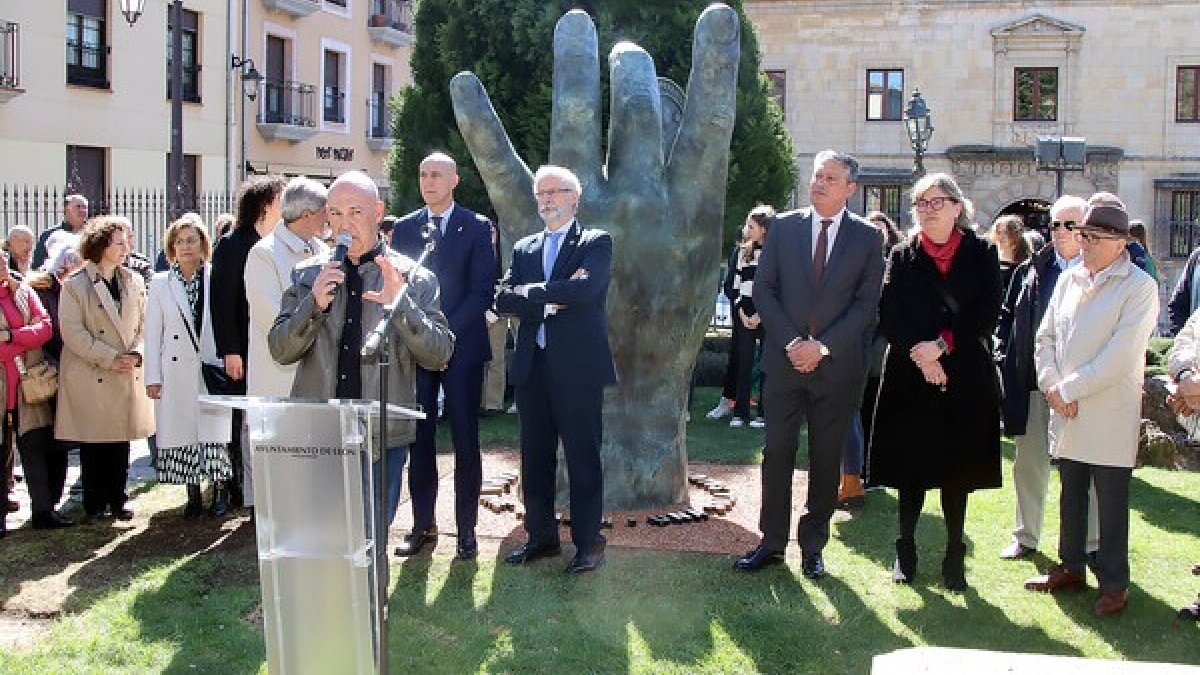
132 10
919 125
251 81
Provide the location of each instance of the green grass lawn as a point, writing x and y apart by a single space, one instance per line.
194 608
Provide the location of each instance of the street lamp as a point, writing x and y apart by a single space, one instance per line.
251 78
132 9
919 125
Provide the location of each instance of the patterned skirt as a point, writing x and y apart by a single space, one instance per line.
190 463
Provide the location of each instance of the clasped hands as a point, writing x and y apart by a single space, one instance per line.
751 322
1059 405
925 355
331 276
805 355
1186 399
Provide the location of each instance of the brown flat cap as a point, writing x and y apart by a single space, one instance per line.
1104 217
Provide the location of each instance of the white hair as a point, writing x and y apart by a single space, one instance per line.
302 195
1068 202
62 252
560 172
359 180
20 229
440 158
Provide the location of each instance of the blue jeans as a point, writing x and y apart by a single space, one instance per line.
396 458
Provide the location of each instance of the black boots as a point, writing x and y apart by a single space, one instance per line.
905 569
195 504
954 576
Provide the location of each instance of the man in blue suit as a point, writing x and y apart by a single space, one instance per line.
557 287
464 263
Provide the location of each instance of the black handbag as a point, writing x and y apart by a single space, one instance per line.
216 380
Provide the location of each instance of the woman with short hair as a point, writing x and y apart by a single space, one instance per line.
192 442
937 418
102 401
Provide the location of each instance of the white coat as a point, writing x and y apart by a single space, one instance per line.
268 274
1092 346
172 361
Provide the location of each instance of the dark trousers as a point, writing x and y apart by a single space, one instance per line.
746 348
45 463
550 413
788 405
463 386
104 468
954 512
729 386
238 481
1112 502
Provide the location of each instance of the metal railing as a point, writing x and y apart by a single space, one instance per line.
1185 236
41 207
395 14
378 118
87 64
333 107
291 103
10 54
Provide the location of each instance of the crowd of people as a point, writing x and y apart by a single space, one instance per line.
891 347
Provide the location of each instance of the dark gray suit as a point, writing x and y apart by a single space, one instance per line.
840 312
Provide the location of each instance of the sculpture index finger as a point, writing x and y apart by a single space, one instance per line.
700 160
506 176
575 118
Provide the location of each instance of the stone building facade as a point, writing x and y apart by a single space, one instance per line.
1124 74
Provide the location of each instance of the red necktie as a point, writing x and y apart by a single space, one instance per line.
822 250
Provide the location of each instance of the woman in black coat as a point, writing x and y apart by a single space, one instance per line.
937 420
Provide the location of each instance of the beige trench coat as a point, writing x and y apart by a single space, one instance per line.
1092 345
97 404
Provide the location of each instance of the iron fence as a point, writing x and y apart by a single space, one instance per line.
288 103
1185 236
378 117
10 55
41 208
395 14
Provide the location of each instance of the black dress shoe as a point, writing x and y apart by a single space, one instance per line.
122 513
468 548
812 565
586 561
757 559
416 540
50 521
531 551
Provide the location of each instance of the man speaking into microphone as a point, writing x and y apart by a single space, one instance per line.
332 305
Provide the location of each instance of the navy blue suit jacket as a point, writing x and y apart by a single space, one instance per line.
465 265
577 351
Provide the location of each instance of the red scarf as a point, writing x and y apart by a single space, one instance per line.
942 254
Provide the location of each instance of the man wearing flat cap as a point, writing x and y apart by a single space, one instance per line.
1090 360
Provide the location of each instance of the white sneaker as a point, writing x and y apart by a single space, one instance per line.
758 423
512 410
736 423
723 408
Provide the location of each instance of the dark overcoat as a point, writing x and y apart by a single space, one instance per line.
922 436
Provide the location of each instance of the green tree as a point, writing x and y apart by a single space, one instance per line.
507 43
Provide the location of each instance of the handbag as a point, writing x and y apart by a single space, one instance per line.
39 383
216 380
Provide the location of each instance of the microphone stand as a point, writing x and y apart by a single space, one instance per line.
380 351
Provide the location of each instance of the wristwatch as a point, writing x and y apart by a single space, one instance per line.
942 345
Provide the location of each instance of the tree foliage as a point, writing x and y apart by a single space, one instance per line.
508 45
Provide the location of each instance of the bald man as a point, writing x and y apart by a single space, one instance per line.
465 265
326 313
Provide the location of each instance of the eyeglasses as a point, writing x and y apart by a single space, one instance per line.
1065 224
1092 236
544 194
933 203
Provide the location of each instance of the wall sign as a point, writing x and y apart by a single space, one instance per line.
336 154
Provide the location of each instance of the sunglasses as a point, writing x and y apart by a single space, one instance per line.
1065 224
1092 236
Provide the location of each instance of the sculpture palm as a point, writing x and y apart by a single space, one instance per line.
663 210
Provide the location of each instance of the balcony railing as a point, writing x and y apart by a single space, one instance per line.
10 55
287 110
333 108
391 22
295 8
191 81
87 64
379 123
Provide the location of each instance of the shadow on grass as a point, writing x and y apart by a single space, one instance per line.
1171 512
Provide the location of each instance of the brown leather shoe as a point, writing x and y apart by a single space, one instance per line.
851 494
1057 579
1111 602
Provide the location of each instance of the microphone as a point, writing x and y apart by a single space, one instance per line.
342 244
374 339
